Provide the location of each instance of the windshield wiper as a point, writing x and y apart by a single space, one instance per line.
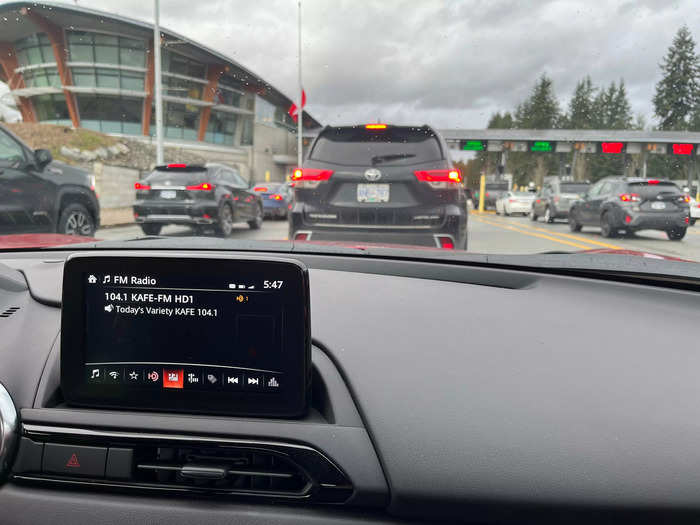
382 158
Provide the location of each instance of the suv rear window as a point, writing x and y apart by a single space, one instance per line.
649 191
392 146
567 187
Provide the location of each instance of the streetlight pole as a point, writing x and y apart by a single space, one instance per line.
158 86
300 155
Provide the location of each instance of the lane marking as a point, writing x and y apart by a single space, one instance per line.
575 237
532 234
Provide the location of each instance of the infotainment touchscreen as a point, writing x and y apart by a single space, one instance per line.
192 334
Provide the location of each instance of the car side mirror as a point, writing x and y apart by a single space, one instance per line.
42 158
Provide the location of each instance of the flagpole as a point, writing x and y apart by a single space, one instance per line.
157 84
300 156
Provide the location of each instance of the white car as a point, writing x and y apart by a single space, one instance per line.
515 202
694 211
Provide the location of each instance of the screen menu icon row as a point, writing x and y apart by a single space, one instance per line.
183 378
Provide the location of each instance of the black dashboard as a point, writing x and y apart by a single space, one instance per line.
439 391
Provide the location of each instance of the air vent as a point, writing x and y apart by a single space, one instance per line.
240 470
9 311
163 462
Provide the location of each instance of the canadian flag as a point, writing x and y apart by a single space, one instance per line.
293 110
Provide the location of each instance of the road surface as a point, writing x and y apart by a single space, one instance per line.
489 233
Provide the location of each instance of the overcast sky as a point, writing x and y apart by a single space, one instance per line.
445 63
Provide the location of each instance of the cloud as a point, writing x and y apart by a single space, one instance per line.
447 63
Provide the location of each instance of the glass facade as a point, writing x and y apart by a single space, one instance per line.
42 77
51 109
221 128
34 49
181 65
99 48
180 121
108 78
178 87
113 62
110 114
271 115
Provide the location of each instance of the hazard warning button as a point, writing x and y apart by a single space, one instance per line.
73 460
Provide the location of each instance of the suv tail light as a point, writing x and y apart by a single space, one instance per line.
439 179
138 186
446 242
204 186
630 197
260 188
276 197
310 178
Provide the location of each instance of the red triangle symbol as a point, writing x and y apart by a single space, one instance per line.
73 461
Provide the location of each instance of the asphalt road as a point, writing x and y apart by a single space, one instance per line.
489 233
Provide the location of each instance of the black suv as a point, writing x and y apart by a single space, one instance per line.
379 183
631 204
40 195
210 196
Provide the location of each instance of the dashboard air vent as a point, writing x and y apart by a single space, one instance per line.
9 311
236 469
178 463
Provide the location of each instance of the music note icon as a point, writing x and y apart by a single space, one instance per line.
95 373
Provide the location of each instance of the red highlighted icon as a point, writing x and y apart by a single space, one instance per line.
173 378
73 461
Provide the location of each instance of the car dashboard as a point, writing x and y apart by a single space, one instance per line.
440 391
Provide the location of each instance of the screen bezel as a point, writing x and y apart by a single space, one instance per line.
291 402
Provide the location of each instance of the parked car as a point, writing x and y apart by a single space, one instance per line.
276 198
379 183
202 196
632 204
555 199
515 202
40 195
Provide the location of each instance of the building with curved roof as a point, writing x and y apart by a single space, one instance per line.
84 68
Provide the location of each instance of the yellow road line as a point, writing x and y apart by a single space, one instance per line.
531 234
574 237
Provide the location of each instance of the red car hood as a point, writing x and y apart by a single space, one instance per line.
648 255
40 240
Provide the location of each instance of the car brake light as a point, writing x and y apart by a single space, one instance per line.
375 126
276 197
687 220
310 178
302 236
204 186
511 200
652 181
629 197
487 194
445 242
177 165
142 187
260 188
628 219
439 179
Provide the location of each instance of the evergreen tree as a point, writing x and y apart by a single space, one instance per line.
678 91
580 113
541 109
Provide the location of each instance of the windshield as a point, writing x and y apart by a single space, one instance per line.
434 128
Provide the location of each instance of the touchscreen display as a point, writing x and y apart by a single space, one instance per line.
162 331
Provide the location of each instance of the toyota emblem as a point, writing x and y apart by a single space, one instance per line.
373 175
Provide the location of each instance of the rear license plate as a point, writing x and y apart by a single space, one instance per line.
658 205
168 194
373 193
